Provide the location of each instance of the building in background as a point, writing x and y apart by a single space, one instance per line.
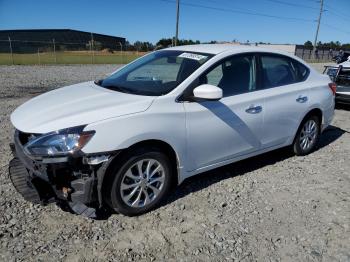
30 40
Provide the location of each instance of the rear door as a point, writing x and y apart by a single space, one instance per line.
286 97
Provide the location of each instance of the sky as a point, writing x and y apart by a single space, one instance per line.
270 21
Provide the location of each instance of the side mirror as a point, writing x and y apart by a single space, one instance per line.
207 92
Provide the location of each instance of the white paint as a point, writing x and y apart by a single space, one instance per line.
204 135
208 92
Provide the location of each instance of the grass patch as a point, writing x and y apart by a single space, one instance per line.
77 57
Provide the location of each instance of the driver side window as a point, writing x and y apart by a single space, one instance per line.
235 75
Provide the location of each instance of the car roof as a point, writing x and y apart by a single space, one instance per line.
220 48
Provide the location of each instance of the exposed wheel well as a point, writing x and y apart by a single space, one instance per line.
317 112
116 162
314 112
155 144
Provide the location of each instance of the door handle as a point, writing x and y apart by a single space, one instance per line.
254 109
302 99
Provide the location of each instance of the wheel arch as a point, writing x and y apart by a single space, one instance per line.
163 147
314 111
106 173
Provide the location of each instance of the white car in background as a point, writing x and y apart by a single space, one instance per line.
123 141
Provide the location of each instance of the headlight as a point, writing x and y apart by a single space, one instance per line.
58 143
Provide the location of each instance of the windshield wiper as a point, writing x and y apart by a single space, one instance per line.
98 82
118 88
112 87
123 89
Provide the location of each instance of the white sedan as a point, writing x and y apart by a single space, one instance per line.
122 142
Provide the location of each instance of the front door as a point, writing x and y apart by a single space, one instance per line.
231 127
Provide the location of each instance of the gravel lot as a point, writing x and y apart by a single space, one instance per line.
275 207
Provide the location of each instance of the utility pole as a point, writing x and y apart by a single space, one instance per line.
54 50
11 50
318 24
92 49
177 21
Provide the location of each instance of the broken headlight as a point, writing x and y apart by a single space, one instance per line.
59 143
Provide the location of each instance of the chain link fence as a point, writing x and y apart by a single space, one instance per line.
19 52
15 52
319 55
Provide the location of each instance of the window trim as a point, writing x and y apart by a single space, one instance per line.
187 94
292 60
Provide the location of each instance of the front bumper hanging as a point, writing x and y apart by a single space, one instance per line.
67 181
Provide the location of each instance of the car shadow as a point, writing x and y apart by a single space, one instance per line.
204 180
230 118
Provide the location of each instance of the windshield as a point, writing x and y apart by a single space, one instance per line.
155 74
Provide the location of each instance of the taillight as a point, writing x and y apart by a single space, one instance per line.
333 87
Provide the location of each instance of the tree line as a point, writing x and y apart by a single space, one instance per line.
167 42
162 43
330 45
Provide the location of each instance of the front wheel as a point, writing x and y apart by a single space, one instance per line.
307 136
141 183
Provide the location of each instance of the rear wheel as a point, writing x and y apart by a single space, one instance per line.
141 182
307 136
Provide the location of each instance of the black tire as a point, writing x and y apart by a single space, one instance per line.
297 147
118 170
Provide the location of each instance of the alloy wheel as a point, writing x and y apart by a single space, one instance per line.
142 183
308 135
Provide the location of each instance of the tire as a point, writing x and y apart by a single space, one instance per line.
307 136
145 192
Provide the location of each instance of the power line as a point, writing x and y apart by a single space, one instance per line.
313 1
241 12
291 4
336 28
253 13
335 10
273 1
337 13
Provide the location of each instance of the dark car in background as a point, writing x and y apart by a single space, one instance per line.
340 75
341 57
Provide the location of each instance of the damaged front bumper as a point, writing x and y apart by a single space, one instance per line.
74 182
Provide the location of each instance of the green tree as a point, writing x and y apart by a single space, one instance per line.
165 42
143 46
308 44
346 46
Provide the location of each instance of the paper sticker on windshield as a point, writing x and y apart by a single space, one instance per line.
193 56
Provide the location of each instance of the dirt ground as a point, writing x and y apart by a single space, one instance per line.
274 207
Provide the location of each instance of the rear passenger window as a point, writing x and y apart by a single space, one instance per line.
278 71
302 71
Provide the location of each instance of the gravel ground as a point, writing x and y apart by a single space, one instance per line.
275 207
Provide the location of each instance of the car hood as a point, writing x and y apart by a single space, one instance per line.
75 105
